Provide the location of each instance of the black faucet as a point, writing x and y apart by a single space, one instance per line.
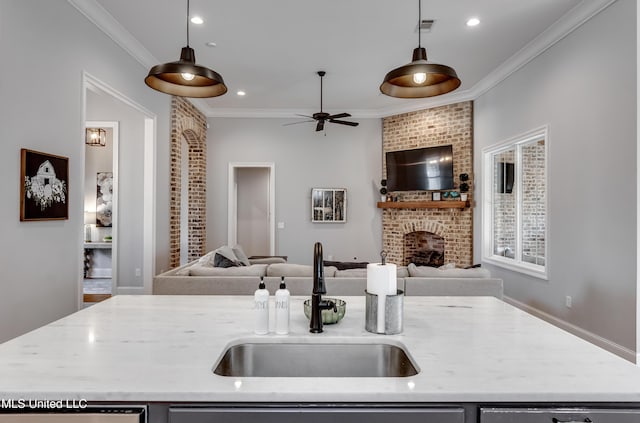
317 303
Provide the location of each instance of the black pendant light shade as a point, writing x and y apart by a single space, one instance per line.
438 79
420 78
184 78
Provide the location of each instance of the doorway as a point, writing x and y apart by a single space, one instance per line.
133 231
251 217
100 212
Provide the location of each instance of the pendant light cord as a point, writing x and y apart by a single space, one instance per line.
419 21
321 78
187 23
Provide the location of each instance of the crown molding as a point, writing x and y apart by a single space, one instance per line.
564 26
93 11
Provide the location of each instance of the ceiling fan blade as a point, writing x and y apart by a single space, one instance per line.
339 115
295 123
320 125
344 122
307 116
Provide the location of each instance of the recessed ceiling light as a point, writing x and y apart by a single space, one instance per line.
210 44
473 22
197 20
241 93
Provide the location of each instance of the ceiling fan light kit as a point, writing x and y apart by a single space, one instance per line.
185 78
420 78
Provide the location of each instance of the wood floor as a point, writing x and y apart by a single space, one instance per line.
96 290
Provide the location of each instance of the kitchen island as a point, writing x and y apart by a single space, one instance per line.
162 349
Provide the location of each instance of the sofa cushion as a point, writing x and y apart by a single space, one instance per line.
267 260
253 270
402 272
351 273
434 272
296 270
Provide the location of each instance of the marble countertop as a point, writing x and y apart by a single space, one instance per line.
163 348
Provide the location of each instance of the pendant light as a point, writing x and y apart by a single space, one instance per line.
420 78
95 137
184 78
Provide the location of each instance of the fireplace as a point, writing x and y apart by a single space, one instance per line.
424 248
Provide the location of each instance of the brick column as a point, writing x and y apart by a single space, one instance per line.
188 123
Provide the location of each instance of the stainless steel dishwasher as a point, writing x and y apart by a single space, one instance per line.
92 414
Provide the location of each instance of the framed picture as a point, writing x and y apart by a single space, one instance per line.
435 196
44 186
104 199
328 205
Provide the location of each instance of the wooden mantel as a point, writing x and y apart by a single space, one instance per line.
444 204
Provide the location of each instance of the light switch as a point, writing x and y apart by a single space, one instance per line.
280 225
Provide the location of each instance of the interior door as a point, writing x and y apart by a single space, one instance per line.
253 209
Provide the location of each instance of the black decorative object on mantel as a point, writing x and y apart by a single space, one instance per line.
464 186
383 190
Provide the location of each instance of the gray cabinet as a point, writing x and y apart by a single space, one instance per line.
559 415
316 415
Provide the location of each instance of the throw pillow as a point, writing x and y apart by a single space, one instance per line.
209 259
221 261
240 255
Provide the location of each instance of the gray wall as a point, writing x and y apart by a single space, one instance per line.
50 44
584 88
346 157
130 187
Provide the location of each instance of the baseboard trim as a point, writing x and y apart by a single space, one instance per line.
100 273
603 343
130 290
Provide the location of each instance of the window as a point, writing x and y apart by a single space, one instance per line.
515 203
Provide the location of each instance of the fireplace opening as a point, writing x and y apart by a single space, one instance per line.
423 248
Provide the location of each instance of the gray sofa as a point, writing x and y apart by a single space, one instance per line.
413 280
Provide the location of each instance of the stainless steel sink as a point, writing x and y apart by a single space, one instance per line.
287 359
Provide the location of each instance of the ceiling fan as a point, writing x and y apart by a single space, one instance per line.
321 117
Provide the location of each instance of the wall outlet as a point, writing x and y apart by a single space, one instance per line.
567 301
138 272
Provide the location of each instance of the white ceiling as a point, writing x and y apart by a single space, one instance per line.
272 49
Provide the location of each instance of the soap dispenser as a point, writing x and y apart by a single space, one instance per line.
261 309
282 309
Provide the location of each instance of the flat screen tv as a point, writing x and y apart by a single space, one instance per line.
421 169
505 177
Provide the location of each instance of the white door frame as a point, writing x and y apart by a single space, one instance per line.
115 130
232 203
89 82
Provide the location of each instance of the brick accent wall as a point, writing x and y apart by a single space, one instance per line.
451 124
188 123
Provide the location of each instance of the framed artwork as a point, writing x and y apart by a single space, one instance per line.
104 199
328 205
44 186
